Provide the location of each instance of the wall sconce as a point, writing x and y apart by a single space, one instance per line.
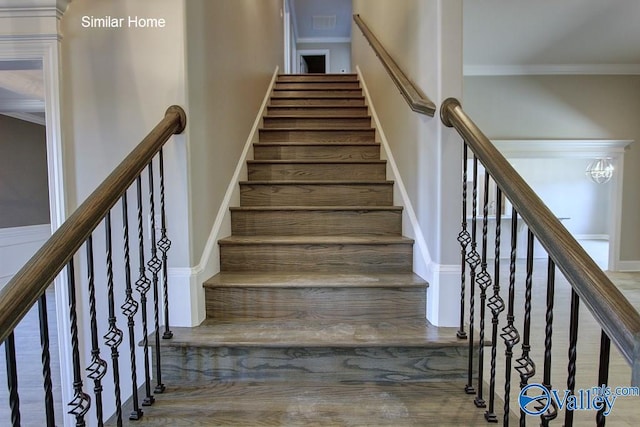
600 171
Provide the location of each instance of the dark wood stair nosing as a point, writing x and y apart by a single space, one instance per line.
316 162
316 208
322 182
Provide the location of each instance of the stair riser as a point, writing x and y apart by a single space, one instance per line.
316 194
317 171
315 122
316 77
335 304
354 135
201 366
317 111
333 102
316 223
336 93
325 258
316 152
329 85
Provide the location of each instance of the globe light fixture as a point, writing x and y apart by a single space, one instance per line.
600 171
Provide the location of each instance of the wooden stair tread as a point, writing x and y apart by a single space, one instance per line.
316 208
323 182
314 404
314 333
316 129
323 117
315 280
315 240
314 162
315 144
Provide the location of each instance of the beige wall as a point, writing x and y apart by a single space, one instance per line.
233 48
605 107
24 194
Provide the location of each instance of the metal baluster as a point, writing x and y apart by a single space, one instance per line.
12 379
113 338
510 334
473 259
525 365
164 245
98 368
129 309
464 239
496 304
154 265
484 281
143 284
573 346
603 375
46 360
81 401
552 412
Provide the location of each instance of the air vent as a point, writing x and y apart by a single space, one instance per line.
324 22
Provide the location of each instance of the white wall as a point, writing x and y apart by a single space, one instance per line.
17 245
567 107
417 33
340 55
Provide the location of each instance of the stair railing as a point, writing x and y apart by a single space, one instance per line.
618 319
63 251
417 100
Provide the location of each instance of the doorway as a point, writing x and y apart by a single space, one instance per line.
313 61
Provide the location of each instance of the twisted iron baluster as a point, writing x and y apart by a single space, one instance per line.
525 365
129 309
81 401
164 245
573 353
484 281
98 367
12 379
143 284
603 375
46 361
496 304
113 338
509 333
552 412
154 266
473 259
464 239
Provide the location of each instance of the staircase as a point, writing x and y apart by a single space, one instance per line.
316 317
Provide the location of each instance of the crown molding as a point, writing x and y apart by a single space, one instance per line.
27 117
21 106
552 69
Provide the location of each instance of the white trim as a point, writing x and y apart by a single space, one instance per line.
591 237
422 254
21 106
561 148
628 266
233 186
27 117
23 235
551 69
325 52
292 9
315 40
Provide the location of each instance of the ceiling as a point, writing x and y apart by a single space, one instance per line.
551 37
321 21
22 90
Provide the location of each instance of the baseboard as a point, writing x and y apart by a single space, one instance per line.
591 237
628 266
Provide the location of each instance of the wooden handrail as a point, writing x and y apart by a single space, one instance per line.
417 100
616 316
24 289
